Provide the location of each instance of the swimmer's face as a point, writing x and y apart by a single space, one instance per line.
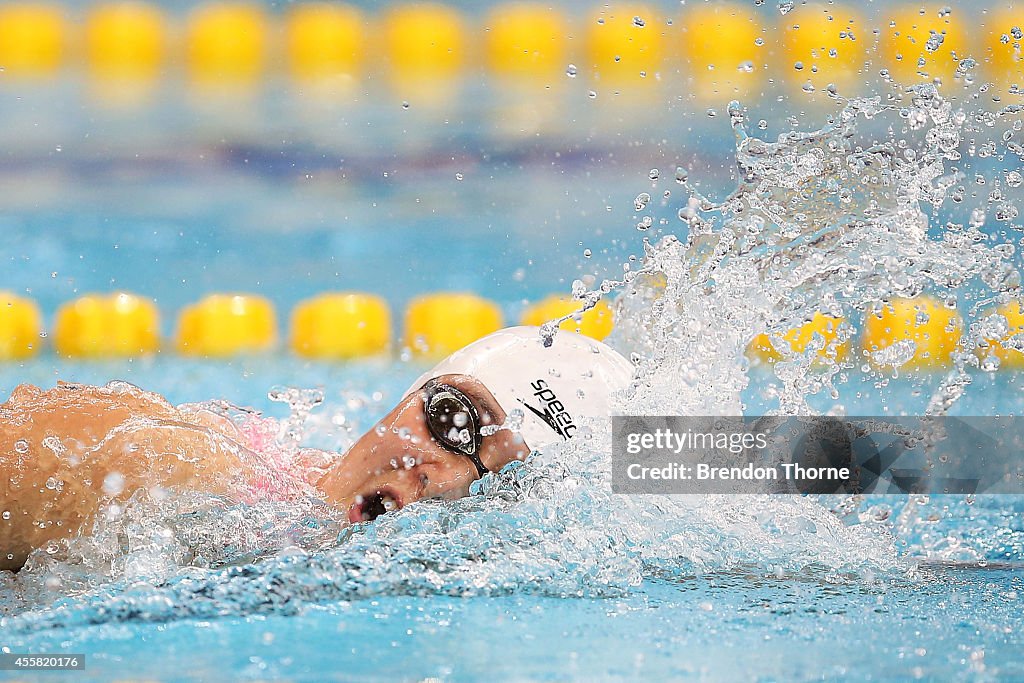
422 450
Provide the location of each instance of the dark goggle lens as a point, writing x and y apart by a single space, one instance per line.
452 422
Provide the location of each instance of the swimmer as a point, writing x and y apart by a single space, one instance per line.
68 452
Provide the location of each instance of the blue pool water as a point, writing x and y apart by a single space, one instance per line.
736 626
500 232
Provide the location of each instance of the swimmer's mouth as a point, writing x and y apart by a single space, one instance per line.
369 507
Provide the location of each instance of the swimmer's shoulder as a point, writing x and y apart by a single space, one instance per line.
22 394
69 393
82 410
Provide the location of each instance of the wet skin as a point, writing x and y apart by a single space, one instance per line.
57 448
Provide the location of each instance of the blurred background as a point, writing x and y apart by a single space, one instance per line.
281 151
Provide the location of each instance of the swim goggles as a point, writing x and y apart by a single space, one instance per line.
453 421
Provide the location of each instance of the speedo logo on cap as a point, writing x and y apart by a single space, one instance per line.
552 411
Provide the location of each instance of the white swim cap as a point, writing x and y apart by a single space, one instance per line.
551 386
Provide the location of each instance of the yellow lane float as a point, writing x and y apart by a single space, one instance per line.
1003 43
626 43
223 325
325 40
227 42
1014 314
125 40
21 325
341 326
107 325
933 328
32 38
438 324
526 40
722 44
596 323
824 45
424 40
827 327
922 43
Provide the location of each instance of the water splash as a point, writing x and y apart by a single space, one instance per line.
551 527
829 221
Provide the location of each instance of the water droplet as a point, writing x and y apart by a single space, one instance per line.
21 446
785 7
895 355
571 71
113 483
638 22
592 94
654 174
934 42
978 217
6 514
458 176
